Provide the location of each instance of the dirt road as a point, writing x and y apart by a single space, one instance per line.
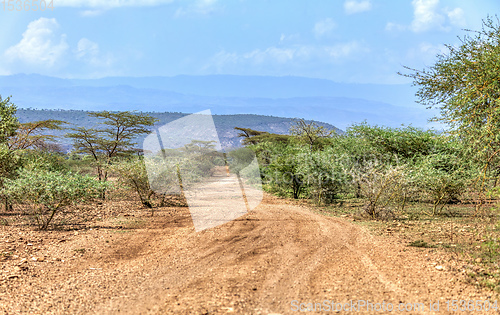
268 261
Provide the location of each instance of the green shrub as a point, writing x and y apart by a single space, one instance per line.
382 185
46 192
282 173
325 174
440 178
132 174
37 159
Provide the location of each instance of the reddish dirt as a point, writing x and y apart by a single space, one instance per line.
258 264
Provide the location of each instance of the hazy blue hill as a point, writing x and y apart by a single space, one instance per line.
264 86
339 104
29 80
234 86
224 123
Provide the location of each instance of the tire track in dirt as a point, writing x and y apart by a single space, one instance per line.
257 264
366 261
263 261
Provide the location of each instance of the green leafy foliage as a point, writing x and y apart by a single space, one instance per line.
441 178
282 170
8 127
46 192
464 84
50 161
325 174
8 120
310 132
132 174
405 143
9 161
388 167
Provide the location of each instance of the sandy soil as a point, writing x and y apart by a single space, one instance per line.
265 262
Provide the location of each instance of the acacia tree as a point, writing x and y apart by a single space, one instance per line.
115 139
249 135
464 84
8 127
310 132
32 135
254 137
8 120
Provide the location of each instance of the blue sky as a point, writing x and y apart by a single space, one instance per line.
362 41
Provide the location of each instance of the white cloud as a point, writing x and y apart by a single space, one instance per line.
426 16
340 61
324 27
109 3
353 6
299 56
43 49
86 48
89 53
41 46
456 17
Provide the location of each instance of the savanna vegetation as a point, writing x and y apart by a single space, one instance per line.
406 175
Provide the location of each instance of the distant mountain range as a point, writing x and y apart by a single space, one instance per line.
338 104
